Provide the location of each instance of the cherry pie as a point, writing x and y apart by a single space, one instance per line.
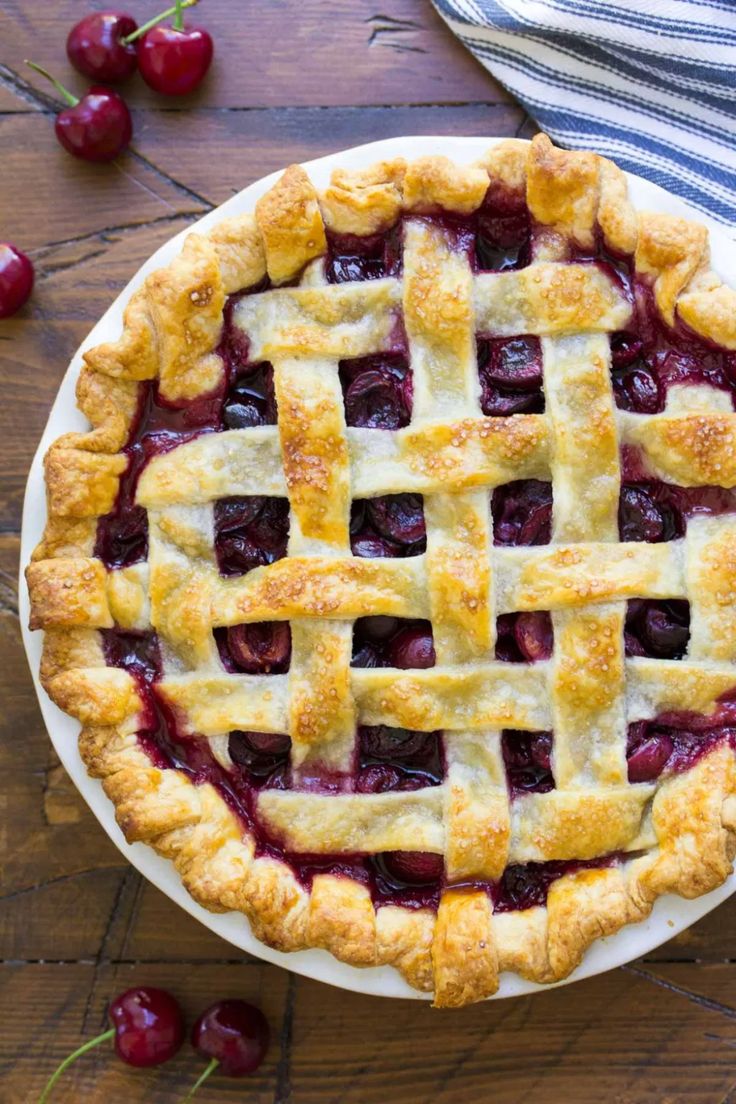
395 584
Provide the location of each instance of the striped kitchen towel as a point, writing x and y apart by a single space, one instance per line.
649 83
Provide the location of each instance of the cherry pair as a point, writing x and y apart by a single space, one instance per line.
108 46
148 1029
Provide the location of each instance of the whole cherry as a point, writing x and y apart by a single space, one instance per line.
96 128
102 44
16 279
148 1030
174 60
234 1036
414 867
98 46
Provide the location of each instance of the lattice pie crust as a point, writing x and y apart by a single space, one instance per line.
675 833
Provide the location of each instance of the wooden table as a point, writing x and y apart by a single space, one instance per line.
294 79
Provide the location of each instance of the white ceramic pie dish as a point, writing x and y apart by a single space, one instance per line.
670 914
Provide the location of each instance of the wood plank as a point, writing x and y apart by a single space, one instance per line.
246 145
68 198
49 1010
282 54
709 983
618 1037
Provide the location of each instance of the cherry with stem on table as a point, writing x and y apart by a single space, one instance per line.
148 1029
174 60
96 127
102 44
234 1036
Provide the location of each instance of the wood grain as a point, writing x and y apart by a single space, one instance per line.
292 81
282 54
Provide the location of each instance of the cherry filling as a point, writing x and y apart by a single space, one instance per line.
136 652
159 427
660 630
244 398
251 399
524 637
510 370
251 531
674 742
503 231
392 525
652 356
377 391
526 886
527 758
261 758
350 257
653 511
397 759
392 642
260 648
522 513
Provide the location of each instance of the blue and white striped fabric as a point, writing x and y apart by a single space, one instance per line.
649 83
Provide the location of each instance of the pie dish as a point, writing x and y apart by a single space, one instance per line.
424 482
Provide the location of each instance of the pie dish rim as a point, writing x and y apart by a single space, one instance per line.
670 914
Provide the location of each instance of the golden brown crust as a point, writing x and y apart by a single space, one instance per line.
677 837
291 225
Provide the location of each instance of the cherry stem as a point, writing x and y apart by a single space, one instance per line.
212 1066
175 10
69 1059
70 99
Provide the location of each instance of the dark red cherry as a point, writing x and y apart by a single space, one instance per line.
376 400
378 778
377 629
96 46
533 634
414 867
250 532
16 279
640 518
263 648
648 758
522 513
174 60
500 402
524 886
251 401
625 349
637 389
514 363
382 742
270 529
527 757
233 1035
373 548
243 745
412 647
148 1029
96 128
237 513
664 631
537 527
398 517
